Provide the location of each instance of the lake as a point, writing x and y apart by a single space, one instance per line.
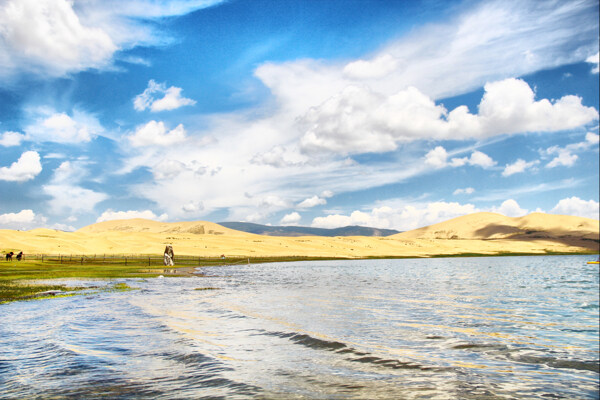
444 328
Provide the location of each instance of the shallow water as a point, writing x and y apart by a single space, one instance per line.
469 328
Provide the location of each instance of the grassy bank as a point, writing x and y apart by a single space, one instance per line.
19 279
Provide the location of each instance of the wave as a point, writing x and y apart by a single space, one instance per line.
355 355
520 355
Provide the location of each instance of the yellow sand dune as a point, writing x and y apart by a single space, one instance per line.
482 233
485 225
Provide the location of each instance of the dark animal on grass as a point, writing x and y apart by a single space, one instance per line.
9 256
19 256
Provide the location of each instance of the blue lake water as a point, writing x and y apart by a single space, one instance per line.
468 328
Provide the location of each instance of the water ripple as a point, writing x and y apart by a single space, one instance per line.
476 328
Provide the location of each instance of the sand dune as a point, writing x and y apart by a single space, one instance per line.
496 226
149 226
481 233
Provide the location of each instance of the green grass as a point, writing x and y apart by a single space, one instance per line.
18 278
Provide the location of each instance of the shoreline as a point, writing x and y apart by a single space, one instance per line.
16 279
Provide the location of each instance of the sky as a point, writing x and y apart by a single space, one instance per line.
389 114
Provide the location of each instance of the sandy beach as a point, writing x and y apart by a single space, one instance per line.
480 233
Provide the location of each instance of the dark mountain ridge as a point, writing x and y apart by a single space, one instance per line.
306 231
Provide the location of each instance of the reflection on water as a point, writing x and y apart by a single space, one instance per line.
472 328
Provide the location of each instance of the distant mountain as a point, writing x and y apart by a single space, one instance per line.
306 231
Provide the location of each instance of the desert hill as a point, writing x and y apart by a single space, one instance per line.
480 233
486 225
139 225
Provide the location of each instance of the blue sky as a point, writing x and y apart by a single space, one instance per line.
324 113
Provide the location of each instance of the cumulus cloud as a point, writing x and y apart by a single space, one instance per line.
9 139
477 158
406 217
438 158
170 100
156 134
27 167
578 207
510 208
57 37
51 126
518 166
359 120
468 190
290 219
563 156
594 59
312 202
110 215
48 36
22 220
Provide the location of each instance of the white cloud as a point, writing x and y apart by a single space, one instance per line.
57 37
592 138
48 36
51 126
468 190
518 167
405 217
291 219
171 98
578 207
66 195
23 220
279 157
9 139
110 215
273 201
594 59
438 158
63 227
156 134
312 202
510 208
359 120
326 194
564 158
481 159
70 198
27 167
379 67
169 169
477 158
193 207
